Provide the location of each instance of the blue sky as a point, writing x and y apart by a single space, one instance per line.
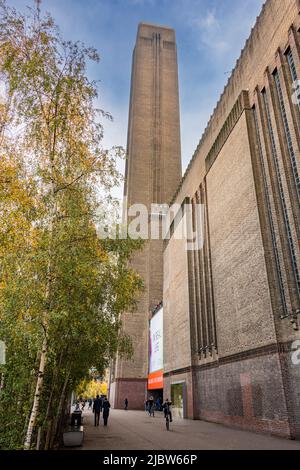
210 36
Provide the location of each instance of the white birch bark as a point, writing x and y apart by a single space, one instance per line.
36 400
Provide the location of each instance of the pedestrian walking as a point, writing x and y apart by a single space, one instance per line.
151 406
157 404
90 404
126 403
96 410
167 409
77 406
101 402
106 406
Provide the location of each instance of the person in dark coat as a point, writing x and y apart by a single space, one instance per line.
101 402
106 406
126 403
97 409
167 409
151 406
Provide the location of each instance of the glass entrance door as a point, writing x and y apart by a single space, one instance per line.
178 400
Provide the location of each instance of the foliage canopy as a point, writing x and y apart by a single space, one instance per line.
62 289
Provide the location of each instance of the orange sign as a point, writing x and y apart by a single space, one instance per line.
156 380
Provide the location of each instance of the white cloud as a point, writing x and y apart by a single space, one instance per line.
216 28
207 22
115 134
210 33
216 37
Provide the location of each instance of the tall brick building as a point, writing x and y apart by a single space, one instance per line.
227 349
231 309
153 172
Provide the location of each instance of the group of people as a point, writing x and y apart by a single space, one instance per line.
101 405
80 404
159 405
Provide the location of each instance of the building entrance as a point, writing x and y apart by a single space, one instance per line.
178 392
158 398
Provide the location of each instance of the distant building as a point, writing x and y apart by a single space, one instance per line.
153 172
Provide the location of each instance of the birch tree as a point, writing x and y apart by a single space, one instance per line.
64 288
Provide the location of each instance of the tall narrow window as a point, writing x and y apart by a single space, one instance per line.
292 65
294 76
282 196
270 216
287 133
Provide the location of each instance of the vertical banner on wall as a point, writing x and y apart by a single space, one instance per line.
156 360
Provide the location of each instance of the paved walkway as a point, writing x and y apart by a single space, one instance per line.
135 430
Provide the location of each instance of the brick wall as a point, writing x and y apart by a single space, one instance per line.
253 218
248 394
242 301
177 345
134 390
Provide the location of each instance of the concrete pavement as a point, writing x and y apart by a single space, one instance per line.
135 430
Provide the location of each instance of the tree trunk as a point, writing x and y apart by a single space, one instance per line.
43 358
53 213
36 401
38 441
53 386
48 435
59 408
48 422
